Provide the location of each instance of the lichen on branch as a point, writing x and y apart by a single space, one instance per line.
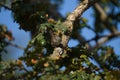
69 23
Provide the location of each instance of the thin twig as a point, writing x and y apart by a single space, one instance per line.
15 45
106 38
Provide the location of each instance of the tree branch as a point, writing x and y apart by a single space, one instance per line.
102 39
69 24
84 5
104 18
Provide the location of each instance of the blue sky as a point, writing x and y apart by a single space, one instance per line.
22 37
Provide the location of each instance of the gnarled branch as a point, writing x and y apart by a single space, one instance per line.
69 23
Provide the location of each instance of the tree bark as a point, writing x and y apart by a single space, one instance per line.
69 24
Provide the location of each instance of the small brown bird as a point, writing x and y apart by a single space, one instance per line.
55 38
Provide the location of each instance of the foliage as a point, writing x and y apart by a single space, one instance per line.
47 28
